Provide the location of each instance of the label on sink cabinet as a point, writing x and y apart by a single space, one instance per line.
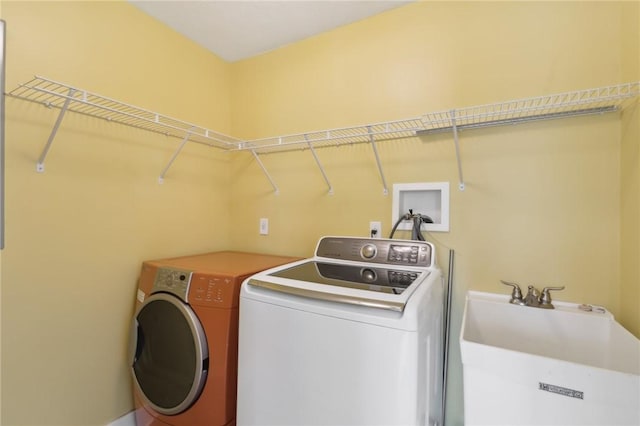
560 390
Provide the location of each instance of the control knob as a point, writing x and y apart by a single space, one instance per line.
368 275
368 251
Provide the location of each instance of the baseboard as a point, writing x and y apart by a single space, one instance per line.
128 419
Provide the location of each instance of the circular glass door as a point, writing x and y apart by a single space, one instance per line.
171 358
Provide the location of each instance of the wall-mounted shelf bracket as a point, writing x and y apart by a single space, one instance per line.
454 127
54 131
372 139
173 157
264 170
53 94
315 156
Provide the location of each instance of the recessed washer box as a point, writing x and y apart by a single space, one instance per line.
428 198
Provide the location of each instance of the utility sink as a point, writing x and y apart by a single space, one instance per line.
531 366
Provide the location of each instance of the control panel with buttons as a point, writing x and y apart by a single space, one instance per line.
402 278
217 291
174 281
384 251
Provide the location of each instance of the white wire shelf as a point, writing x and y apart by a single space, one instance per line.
67 98
336 137
562 105
54 94
591 101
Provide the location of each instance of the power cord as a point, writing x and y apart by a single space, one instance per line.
418 220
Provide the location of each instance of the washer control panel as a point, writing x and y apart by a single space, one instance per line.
392 252
407 254
174 281
403 278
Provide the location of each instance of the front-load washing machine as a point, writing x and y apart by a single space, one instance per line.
352 336
185 335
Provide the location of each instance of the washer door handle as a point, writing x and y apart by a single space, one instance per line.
329 297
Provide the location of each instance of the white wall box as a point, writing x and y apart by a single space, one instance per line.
429 198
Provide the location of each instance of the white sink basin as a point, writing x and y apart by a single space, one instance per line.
532 366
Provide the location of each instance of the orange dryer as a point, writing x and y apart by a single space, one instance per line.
184 342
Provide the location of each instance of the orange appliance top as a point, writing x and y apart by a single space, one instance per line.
227 263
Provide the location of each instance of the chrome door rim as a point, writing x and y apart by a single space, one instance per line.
202 354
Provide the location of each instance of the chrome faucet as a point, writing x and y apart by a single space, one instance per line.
533 298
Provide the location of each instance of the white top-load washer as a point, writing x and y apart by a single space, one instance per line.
351 336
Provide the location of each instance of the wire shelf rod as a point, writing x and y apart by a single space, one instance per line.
324 175
52 135
173 158
264 170
385 189
457 146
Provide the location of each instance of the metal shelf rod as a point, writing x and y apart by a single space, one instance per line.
385 190
173 158
264 170
324 175
457 144
52 135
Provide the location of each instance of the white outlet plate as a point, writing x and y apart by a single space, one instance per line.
264 226
377 227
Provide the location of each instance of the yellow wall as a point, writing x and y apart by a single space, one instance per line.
542 202
630 177
76 234
545 202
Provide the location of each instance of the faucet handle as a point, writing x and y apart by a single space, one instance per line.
516 294
545 297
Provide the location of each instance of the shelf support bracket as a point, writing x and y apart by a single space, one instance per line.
454 127
385 190
264 170
315 156
173 158
54 131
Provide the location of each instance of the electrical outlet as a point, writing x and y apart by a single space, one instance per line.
264 226
375 230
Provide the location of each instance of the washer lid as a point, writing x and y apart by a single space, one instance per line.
368 278
351 283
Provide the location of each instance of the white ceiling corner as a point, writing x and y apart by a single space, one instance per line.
239 29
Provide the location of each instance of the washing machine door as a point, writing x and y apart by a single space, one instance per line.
170 354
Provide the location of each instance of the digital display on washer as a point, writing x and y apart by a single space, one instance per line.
364 278
403 253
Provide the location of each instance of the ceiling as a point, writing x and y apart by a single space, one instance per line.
239 29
